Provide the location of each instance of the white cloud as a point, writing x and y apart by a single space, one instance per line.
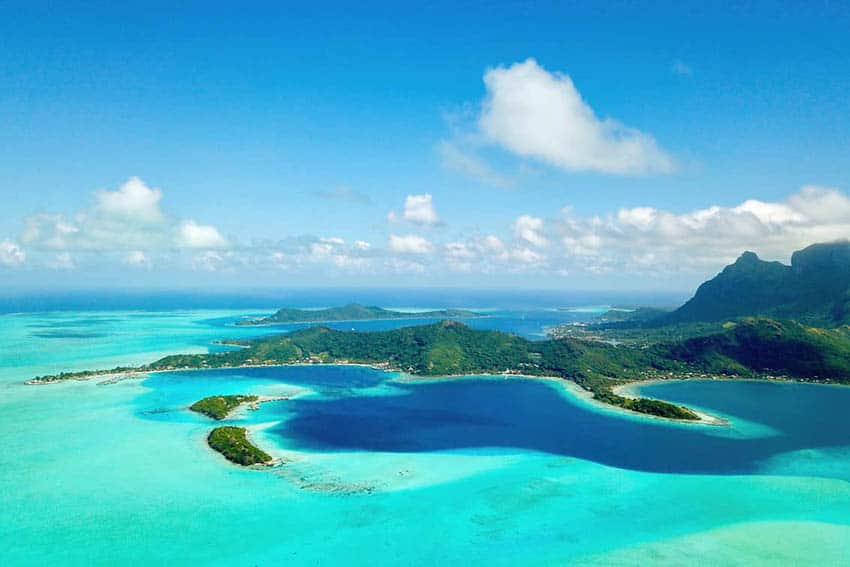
640 218
537 114
190 234
127 219
527 256
769 213
11 254
489 254
278 258
493 243
530 230
409 244
321 249
325 247
655 241
331 250
418 209
459 251
134 202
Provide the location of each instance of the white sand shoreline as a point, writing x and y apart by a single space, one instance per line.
629 390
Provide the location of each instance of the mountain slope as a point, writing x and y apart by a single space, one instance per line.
767 346
353 312
813 289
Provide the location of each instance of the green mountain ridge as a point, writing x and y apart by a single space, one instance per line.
758 346
353 312
813 289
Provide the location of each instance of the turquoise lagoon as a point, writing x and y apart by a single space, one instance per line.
383 470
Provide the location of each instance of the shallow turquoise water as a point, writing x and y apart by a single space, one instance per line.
387 472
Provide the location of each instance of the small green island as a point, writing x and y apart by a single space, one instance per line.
219 407
233 443
353 312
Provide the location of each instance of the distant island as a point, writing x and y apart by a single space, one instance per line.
353 312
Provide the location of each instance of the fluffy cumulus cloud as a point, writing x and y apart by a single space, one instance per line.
193 235
649 242
418 209
409 244
129 218
529 230
537 114
655 241
11 254
490 254
305 253
132 202
128 227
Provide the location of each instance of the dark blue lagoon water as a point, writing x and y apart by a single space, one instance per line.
486 414
529 415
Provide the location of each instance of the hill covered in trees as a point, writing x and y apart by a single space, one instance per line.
814 289
751 347
353 312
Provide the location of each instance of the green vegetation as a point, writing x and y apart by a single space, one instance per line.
636 333
232 442
814 289
82 375
631 314
751 347
758 346
353 312
218 407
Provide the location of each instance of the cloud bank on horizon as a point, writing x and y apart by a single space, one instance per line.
129 228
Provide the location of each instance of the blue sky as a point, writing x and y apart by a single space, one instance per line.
535 144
